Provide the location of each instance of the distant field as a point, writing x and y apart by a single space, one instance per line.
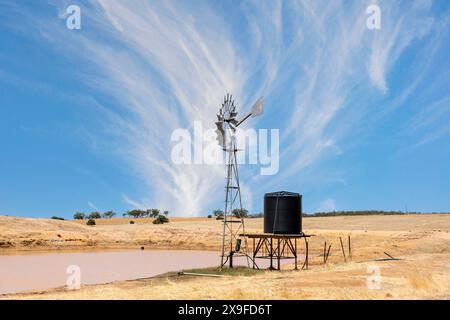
186 233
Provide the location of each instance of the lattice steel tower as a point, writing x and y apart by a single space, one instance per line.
233 225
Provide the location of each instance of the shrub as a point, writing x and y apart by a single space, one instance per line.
209 216
57 218
161 219
131 222
91 222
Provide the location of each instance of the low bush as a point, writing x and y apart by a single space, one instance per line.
161 219
91 222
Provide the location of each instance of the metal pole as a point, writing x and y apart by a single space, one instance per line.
295 249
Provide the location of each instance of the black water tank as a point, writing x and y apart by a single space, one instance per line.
283 213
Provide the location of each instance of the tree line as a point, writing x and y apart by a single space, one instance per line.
218 214
355 213
136 213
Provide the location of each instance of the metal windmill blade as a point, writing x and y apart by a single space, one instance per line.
220 132
226 120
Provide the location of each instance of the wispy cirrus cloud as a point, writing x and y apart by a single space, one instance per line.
163 65
327 206
403 26
93 206
339 63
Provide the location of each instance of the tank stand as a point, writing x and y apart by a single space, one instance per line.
277 247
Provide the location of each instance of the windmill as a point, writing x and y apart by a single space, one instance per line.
227 124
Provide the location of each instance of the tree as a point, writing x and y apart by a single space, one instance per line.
166 213
218 214
136 213
109 214
209 216
79 216
240 213
95 215
154 213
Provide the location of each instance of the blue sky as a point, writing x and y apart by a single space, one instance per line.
86 115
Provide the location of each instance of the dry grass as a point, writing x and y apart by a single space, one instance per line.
422 242
203 233
45 234
334 282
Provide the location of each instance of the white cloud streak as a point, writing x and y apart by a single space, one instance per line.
168 63
93 206
327 205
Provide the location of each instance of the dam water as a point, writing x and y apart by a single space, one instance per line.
34 272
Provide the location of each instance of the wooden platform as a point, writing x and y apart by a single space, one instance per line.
276 246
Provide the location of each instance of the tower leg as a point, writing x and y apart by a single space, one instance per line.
278 253
231 259
271 254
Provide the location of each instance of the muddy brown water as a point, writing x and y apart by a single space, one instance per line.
33 272
24 272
